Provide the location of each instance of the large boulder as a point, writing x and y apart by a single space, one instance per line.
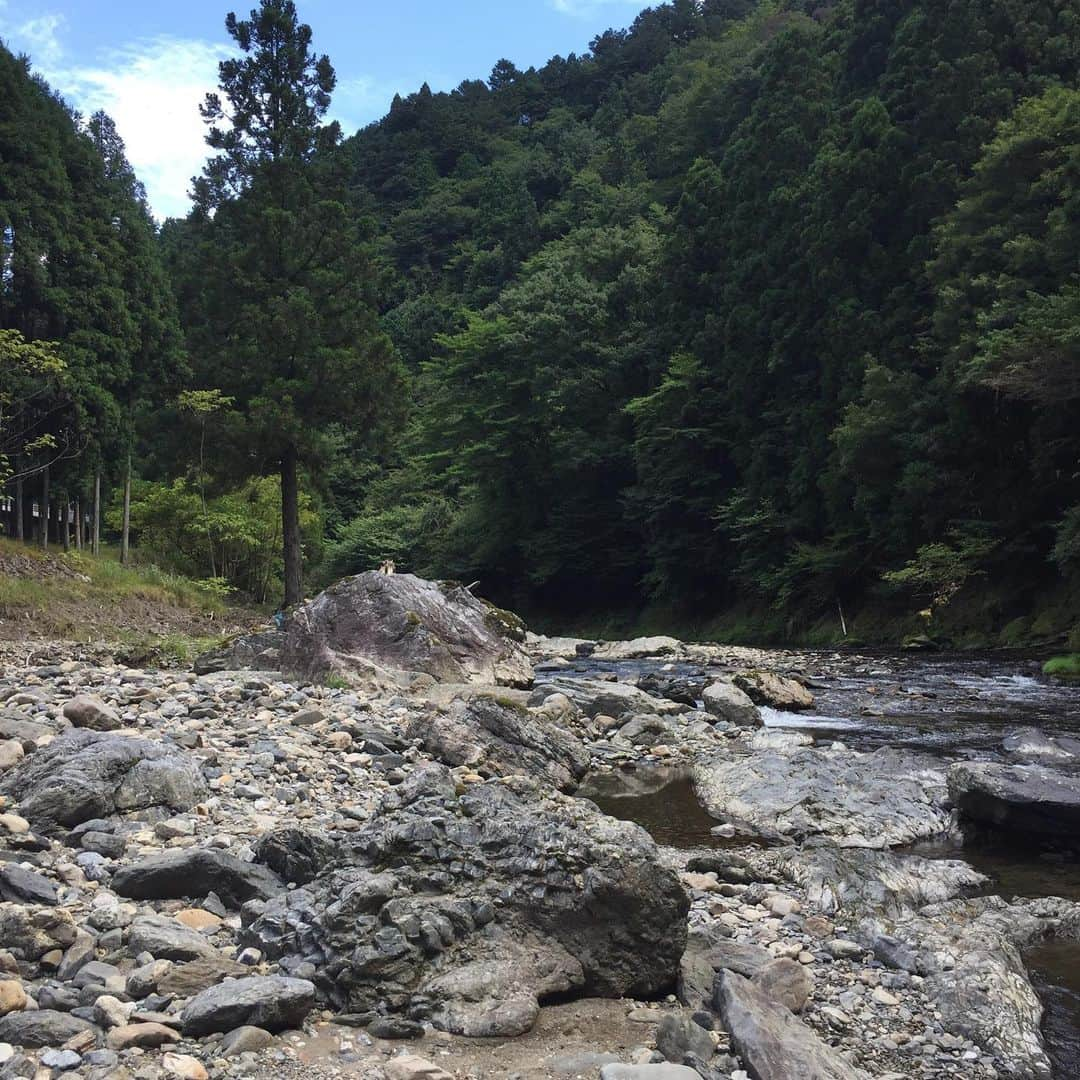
259 651
775 1044
270 1002
374 627
878 800
726 701
1029 800
598 697
42 1027
637 648
507 871
501 738
86 774
1033 744
194 872
776 691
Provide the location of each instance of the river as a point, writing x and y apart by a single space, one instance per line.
954 706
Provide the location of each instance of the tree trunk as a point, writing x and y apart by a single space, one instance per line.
126 529
290 528
78 523
64 509
45 509
95 544
20 521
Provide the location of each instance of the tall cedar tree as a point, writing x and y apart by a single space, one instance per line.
293 336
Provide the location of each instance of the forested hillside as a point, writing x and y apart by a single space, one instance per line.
762 307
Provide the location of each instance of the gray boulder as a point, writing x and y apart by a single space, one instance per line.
165 938
194 872
88 711
270 1002
776 691
883 799
500 738
25 886
860 880
41 1027
373 627
728 702
1030 800
596 697
509 869
707 952
678 1035
260 651
296 854
774 1044
637 648
86 774
785 982
1032 744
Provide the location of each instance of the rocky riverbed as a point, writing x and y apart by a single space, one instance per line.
249 873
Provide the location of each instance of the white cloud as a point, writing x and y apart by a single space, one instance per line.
40 37
153 89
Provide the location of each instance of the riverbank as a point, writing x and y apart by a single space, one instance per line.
405 876
1040 619
143 614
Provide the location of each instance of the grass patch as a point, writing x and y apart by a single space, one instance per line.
1064 667
172 650
42 579
152 616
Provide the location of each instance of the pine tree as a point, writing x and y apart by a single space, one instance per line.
292 335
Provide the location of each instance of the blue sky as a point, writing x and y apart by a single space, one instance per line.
150 64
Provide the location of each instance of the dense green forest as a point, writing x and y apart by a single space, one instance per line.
760 309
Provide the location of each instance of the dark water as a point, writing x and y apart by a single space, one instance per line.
1055 973
663 801
953 706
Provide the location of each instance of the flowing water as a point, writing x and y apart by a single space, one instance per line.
950 705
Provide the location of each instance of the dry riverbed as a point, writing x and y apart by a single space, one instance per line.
284 879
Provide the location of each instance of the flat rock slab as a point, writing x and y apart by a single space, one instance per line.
1031 799
877 800
25 886
772 1042
270 1002
638 648
194 872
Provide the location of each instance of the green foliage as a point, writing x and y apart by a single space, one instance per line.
170 525
1066 668
275 263
34 405
941 569
758 304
